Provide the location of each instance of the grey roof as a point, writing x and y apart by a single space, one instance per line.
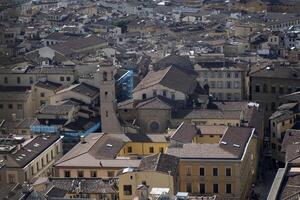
48 85
25 123
52 70
292 154
57 36
207 114
56 192
107 147
87 185
293 96
282 72
86 89
103 148
200 151
290 184
232 146
170 77
236 136
185 133
158 102
291 136
31 150
12 191
160 162
76 45
181 62
56 109
14 93
98 150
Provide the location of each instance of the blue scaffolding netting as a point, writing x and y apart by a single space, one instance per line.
125 86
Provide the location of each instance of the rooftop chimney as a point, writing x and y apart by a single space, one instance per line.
82 139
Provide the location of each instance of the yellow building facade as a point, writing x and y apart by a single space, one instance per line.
142 149
129 182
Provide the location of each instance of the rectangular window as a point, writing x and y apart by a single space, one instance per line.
94 174
144 96
228 84
18 80
228 75
229 96
161 149
236 75
68 78
20 106
257 88
273 89
220 74
173 96
215 171
213 84
188 171
151 150
1 106
10 106
273 106
164 93
11 178
289 90
42 94
202 188
202 171
215 188
80 174
220 84
188 187
273 145
228 171
237 97
62 78
236 84
281 90
228 188
110 173
5 80
154 93
129 149
67 173
30 80
127 189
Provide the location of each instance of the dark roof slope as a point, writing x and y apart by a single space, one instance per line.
86 89
48 85
235 140
160 162
185 133
282 72
169 77
31 150
181 62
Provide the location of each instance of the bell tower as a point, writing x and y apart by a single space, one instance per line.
109 120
